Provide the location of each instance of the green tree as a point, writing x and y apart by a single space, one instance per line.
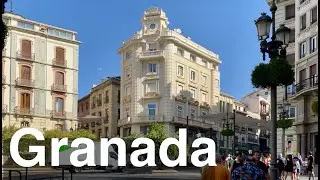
284 123
315 107
4 27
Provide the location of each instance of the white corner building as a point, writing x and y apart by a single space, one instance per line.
165 78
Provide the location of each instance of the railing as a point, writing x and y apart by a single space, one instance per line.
25 82
59 87
140 119
305 84
4 108
23 110
148 54
3 79
59 62
25 56
58 114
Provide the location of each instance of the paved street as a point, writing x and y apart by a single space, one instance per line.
189 174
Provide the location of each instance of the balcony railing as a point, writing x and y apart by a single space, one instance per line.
59 62
25 82
25 56
151 54
58 114
141 119
59 87
3 79
4 108
304 85
23 111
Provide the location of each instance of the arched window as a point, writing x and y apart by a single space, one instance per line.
59 78
59 105
25 124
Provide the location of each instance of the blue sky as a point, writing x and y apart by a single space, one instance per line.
224 27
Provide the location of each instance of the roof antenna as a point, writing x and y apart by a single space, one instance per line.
11 7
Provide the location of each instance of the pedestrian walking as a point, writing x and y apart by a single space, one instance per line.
288 169
280 165
219 172
248 171
310 166
238 162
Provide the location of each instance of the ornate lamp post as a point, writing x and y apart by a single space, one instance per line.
275 48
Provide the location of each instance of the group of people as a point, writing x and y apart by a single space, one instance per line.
292 165
255 167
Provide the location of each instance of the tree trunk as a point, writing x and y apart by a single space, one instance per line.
283 142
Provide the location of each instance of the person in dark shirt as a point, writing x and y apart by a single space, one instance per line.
288 168
248 171
310 166
260 164
238 162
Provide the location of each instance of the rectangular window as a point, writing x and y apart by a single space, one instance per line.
128 55
100 114
180 70
144 130
192 75
152 111
59 105
179 111
192 113
106 100
179 88
314 15
303 22
204 79
220 106
313 70
204 97
180 52
313 44
290 11
302 75
223 106
26 25
128 90
205 63
292 112
25 100
151 87
26 50
152 47
292 36
152 68
303 49
193 93
192 57
127 72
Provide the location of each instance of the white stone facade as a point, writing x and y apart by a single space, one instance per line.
40 87
165 78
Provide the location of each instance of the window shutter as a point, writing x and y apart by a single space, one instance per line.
59 54
313 70
27 101
26 48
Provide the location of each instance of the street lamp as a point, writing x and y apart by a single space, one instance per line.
275 48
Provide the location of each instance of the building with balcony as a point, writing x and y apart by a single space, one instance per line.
302 17
39 75
166 77
286 14
100 110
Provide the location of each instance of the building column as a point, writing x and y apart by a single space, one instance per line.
308 143
298 144
303 146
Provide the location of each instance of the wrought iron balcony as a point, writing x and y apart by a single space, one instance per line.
304 86
59 87
58 114
151 55
4 108
24 111
3 79
59 62
25 82
25 56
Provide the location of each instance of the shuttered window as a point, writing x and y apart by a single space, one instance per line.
59 78
302 75
26 49
25 72
313 70
59 54
25 100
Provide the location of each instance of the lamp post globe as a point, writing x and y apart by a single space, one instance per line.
263 24
283 34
